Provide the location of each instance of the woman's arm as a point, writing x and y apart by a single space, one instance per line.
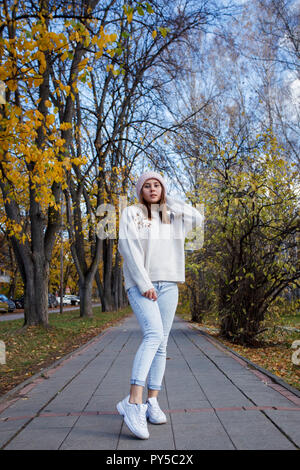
132 251
190 216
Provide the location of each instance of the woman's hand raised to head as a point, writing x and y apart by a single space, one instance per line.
150 294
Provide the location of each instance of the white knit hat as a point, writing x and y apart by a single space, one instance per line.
146 176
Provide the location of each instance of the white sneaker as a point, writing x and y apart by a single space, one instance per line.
154 413
134 417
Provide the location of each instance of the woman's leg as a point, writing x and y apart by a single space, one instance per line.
149 317
152 393
136 394
167 300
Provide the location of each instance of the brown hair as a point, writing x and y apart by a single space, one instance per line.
164 217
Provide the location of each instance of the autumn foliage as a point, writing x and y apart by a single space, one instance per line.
46 53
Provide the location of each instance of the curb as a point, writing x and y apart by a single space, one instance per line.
273 377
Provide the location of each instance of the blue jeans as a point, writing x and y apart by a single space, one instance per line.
155 318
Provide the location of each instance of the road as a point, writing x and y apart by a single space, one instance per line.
20 312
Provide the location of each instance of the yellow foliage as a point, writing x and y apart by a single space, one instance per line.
65 125
50 120
25 62
64 56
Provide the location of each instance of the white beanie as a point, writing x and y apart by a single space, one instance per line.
146 176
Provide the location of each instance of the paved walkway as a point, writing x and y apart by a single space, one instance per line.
212 399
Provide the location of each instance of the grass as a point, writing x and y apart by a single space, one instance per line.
291 320
274 353
31 350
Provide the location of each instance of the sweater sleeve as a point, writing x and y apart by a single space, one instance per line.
132 251
190 216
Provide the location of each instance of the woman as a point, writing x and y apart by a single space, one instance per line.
151 242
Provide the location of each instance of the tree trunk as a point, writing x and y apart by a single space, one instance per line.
200 301
36 294
86 273
108 299
85 289
99 286
119 296
34 258
241 311
14 269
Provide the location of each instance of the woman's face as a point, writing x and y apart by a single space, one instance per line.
151 191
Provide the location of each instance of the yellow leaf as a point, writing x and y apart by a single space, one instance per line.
50 120
154 34
37 82
12 85
64 56
65 125
17 111
76 161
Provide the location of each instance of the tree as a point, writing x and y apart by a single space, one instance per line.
35 39
262 43
118 123
253 209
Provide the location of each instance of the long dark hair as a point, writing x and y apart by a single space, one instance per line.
164 217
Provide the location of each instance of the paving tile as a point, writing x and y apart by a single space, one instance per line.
49 422
268 397
13 424
205 434
288 421
38 439
197 416
94 433
5 436
251 430
161 438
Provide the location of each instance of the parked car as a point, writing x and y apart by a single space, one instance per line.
66 301
19 302
69 300
10 303
75 300
52 301
3 307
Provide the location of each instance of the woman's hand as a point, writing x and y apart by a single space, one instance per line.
150 294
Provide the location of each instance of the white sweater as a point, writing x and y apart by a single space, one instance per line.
152 250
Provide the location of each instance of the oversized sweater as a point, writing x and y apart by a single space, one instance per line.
152 250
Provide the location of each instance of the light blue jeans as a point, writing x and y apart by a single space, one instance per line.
155 318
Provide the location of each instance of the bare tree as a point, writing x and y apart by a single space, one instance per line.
122 119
